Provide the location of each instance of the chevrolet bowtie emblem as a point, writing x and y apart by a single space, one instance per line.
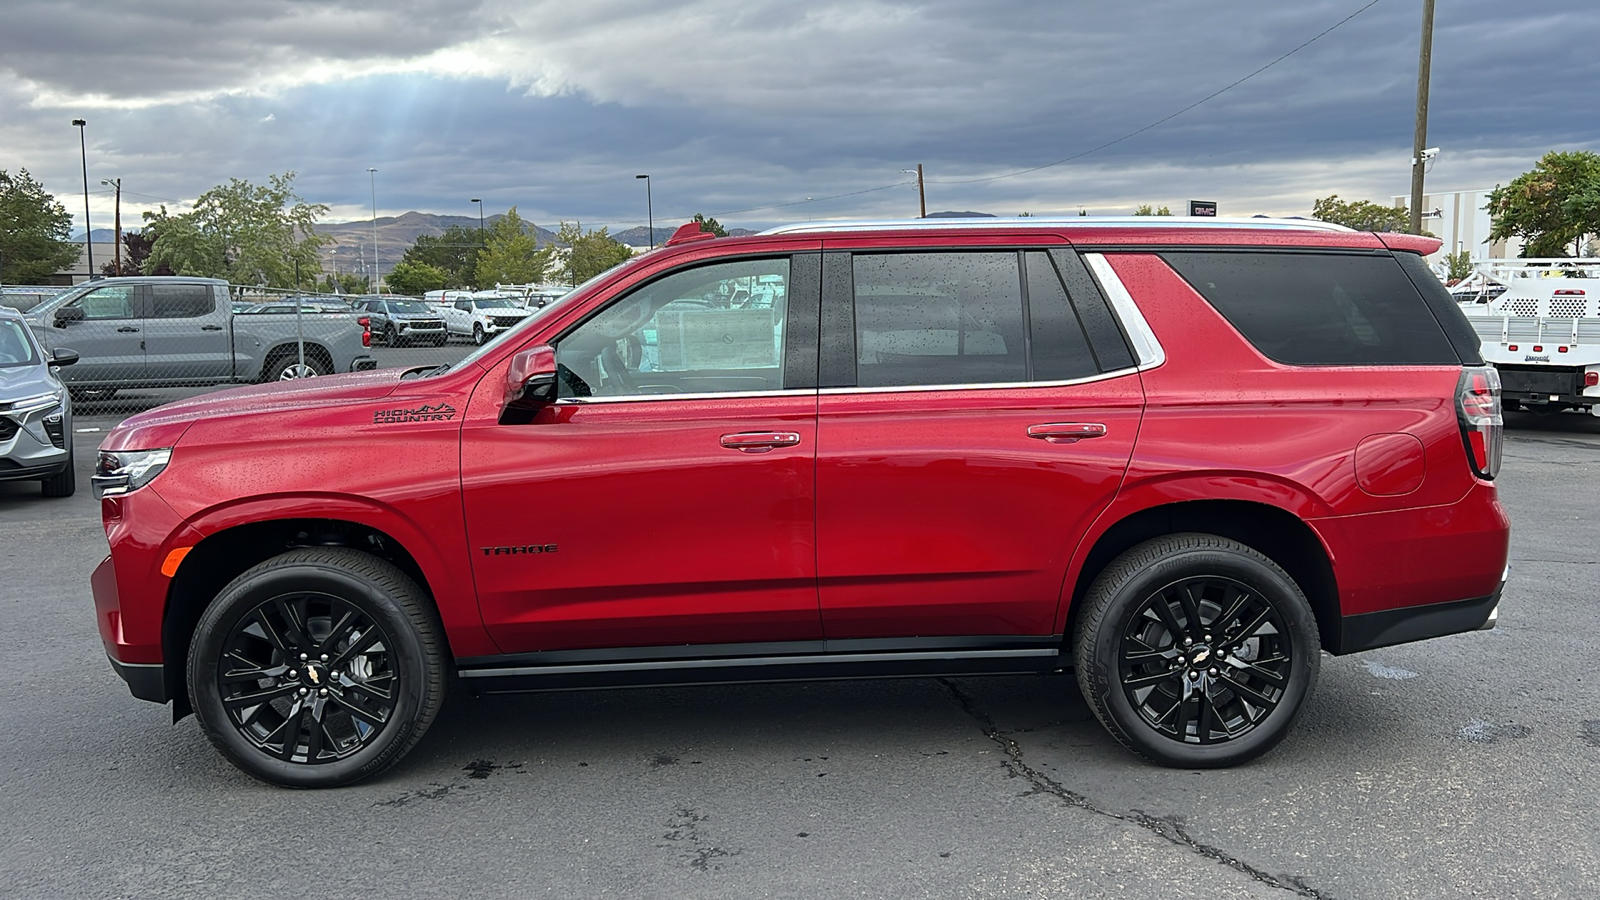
311 673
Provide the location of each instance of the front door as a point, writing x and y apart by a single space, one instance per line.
109 337
964 446
667 497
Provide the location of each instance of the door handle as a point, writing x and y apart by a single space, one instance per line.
127 329
210 327
1067 432
759 441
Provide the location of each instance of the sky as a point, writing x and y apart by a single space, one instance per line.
763 112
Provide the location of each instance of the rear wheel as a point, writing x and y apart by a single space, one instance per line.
317 668
1196 651
288 368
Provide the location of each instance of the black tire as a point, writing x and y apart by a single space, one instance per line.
287 368
478 337
441 341
1196 651
65 482
92 395
390 336
338 646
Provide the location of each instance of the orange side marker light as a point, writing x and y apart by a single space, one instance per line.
174 559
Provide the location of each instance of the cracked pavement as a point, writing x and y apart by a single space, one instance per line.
1462 767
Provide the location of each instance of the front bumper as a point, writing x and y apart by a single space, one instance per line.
34 448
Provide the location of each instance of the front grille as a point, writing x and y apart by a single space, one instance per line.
56 426
505 321
8 428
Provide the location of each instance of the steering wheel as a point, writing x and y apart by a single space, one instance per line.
616 367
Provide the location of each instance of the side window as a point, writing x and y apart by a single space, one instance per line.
1320 309
1060 351
180 301
464 305
114 301
711 329
938 318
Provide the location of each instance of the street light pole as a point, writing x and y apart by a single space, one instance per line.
650 210
1424 65
377 277
480 217
88 231
922 198
117 183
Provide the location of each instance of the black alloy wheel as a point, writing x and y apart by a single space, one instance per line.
1196 651
317 668
390 336
478 336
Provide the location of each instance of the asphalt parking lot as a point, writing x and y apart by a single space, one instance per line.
1462 767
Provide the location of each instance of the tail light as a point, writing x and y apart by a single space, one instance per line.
1478 411
366 331
1591 378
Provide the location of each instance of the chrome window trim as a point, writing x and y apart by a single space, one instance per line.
1145 345
696 395
984 386
1037 223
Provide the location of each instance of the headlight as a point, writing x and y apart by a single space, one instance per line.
31 404
125 471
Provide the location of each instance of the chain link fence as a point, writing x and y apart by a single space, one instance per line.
142 342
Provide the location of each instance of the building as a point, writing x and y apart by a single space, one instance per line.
1460 219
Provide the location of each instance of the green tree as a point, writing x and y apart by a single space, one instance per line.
511 254
455 252
246 233
344 283
1553 207
1146 210
1362 215
711 225
35 231
416 278
1458 265
589 253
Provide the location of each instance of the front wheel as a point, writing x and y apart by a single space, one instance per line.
390 336
478 337
317 668
65 482
1196 651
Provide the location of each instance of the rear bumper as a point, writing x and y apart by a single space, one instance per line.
363 364
1417 623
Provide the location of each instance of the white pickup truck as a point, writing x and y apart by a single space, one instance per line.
1543 332
481 318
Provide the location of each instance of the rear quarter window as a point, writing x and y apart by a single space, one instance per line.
1319 308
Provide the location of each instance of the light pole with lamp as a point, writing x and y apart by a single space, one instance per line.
88 232
922 197
650 210
372 175
116 183
480 217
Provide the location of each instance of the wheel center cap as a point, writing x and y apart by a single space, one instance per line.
316 674
1201 654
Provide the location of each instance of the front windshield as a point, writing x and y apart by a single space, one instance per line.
496 303
576 295
16 347
410 308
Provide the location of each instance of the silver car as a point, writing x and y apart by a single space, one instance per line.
35 410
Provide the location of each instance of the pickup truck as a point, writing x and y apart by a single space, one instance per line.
145 332
481 318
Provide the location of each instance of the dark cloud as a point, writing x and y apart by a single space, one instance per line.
730 104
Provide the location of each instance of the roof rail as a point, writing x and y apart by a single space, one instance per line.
1060 222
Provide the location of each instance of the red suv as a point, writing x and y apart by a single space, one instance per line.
1179 457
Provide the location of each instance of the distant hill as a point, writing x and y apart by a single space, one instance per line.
960 215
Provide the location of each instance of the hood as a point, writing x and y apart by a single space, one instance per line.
25 381
164 425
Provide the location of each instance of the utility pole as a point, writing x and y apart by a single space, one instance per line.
922 198
1424 65
117 183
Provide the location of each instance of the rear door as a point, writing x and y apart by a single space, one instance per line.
667 497
968 433
186 333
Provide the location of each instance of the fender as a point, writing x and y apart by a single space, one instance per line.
447 570
1165 490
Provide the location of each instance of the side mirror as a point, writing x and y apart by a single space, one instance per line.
68 314
61 356
531 380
